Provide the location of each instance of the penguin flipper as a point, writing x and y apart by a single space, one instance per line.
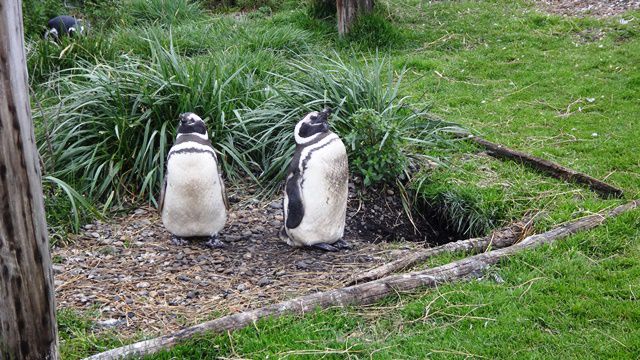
162 192
224 191
295 210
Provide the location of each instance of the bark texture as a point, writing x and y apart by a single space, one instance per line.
553 169
348 11
498 239
365 293
27 311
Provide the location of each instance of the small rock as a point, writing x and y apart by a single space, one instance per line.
140 212
264 282
280 273
301 264
128 301
276 205
192 294
109 323
246 233
247 256
241 287
95 234
183 278
232 238
57 268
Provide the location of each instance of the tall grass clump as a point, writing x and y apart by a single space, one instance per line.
349 88
46 58
108 128
168 12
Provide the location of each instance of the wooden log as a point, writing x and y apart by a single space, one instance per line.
27 311
553 169
498 239
365 293
348 11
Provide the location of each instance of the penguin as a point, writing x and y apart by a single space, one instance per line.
63 25
316 187
193 201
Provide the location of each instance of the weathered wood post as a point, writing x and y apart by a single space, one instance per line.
348 11
27 312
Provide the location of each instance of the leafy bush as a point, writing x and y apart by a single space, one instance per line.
376 147
347 87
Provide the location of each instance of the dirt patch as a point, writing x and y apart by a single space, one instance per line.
581 8
129 276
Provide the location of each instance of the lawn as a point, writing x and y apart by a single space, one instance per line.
562 88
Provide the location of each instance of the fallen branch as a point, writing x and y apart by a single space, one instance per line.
553 169
365 293
498 239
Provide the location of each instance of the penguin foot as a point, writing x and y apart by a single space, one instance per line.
214 242
342 245
178 241
325 247
282 234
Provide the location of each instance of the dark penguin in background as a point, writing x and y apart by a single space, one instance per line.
193 201
63 25
316 188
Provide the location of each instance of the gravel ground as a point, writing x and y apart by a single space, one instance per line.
126 274
597 8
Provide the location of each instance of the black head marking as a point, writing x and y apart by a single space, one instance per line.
191 123
307 130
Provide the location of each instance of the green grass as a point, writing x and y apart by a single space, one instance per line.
539 83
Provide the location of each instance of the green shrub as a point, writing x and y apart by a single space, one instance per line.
376 147
345 86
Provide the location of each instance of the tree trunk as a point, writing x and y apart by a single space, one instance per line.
365 293
27 311
348 11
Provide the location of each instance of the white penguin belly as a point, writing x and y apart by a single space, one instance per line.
193 202
324 194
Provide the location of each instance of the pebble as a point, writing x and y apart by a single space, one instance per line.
247 256
246 233
184 278
301 264
109 323
276 205
192 294
241 287
142 285
57 268
264 282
